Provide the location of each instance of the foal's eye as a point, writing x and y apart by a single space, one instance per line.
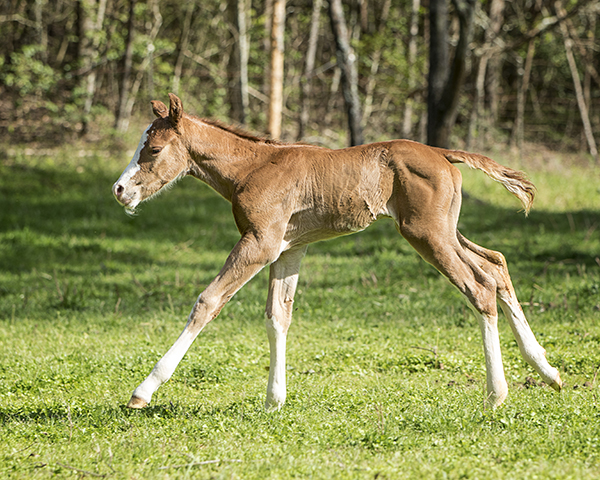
156 150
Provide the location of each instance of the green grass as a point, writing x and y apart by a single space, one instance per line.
386 373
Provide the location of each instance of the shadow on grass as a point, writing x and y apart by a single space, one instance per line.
100 413
59 413
50 218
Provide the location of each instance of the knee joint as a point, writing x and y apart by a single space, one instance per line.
206 308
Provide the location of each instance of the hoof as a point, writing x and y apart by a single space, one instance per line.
557 384
274 404
137 402
273 407
494 401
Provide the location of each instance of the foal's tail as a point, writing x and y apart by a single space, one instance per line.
514 181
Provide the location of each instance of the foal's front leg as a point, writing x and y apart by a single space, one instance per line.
246 259
282 286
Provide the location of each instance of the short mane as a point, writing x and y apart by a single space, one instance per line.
239 132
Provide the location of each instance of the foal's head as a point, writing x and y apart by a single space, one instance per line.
161 157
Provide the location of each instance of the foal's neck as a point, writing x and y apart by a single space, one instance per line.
221 157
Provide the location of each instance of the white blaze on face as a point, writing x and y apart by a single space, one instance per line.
133 166
130 196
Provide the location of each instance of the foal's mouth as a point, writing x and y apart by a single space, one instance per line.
130 202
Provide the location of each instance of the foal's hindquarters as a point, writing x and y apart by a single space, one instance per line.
427 217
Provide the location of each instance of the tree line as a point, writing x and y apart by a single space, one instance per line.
324 71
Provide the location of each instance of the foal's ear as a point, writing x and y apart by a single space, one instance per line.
159 109
175 111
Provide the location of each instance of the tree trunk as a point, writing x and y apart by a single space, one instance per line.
276 83
583 111
89 22
133 87
489 65
346 60
477 108
412 56
589 60
85 54
370 89
438 68
524 73
40 29
494 65
309 67
363 6
333 90
122 119
244 42
238 62
146 64
445 82
268 14
183 46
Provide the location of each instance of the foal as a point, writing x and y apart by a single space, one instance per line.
287 196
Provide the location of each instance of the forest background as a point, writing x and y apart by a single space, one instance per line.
385 367
487 72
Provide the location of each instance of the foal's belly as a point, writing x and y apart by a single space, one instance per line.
322 223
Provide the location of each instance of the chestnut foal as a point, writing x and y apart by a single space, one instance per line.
287 196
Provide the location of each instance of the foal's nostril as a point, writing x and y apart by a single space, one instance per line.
118 190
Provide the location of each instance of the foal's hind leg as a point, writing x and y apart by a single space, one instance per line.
440 247
495 264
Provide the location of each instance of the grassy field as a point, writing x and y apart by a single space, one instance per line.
386 373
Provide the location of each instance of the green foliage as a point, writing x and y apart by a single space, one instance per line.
27 74
386 374
44 66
